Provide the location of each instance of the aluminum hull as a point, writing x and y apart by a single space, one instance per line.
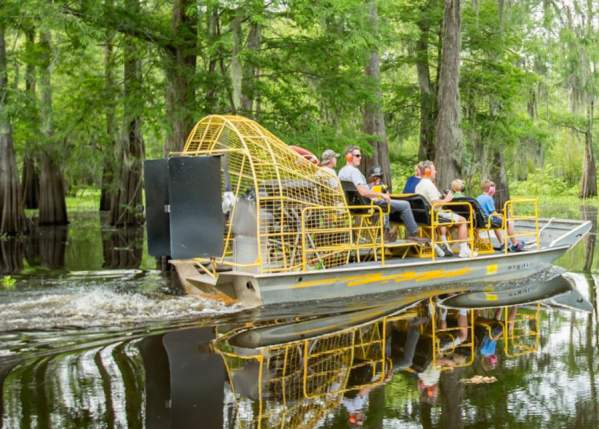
364 279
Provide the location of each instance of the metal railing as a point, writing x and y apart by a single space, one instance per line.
510 215
453 332
322 240
437 211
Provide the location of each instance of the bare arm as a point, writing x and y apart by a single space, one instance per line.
447 198
366 192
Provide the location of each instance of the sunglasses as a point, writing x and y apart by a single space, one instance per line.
357 155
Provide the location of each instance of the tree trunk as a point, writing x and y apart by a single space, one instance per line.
52 204
31 182
213 26
109 147
374 120
12 218
448 155
180 68
499 176
588 183
30 175
52 210
249 93
235 69
428 98
126 207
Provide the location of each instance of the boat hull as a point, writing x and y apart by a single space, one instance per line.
252 290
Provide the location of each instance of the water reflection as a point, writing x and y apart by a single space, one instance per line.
589 213
11 256
415 363
81 245
43 247
122 248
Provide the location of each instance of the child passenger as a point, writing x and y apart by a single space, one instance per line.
457 187
487 204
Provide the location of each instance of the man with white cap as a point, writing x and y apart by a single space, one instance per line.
328 161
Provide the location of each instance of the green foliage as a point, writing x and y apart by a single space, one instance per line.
523 88
542 183
8 282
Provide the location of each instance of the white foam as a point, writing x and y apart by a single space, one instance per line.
99 306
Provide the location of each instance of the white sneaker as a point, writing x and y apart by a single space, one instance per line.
465 252
439 251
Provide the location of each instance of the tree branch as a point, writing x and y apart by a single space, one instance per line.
141 26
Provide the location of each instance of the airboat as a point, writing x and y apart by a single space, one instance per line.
246 219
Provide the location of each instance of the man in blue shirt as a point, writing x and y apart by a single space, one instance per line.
412 182
487 204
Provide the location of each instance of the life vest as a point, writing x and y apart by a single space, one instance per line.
305 153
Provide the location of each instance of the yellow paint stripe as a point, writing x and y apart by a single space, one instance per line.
490 297
364 279
492 269
412 275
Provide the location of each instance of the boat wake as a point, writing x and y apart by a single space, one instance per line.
81 304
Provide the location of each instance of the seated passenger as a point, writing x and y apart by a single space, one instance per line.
487 204
351 173
375 183
375 180
429 191
457 187
412 182
328 161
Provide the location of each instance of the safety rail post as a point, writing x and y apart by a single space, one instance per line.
511 338
509 215
437 210
305 232
469 342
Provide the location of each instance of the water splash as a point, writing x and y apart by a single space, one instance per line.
94 303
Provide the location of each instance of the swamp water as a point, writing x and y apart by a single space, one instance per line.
91 335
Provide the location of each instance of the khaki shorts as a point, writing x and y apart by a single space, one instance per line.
447 217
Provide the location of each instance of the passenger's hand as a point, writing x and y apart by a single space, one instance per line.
449 196
386 197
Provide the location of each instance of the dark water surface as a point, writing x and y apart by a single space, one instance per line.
92 335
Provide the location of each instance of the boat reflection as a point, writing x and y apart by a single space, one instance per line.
297 383
299 372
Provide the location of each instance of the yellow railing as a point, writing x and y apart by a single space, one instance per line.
521 333
295 383
322 240
453 331
510 215
437 211
366 349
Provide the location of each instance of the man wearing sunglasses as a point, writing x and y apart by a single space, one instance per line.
351 173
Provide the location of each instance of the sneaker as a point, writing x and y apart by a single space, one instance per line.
419 240
498 248
438 251
390 236
446 249
518 247
465 253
